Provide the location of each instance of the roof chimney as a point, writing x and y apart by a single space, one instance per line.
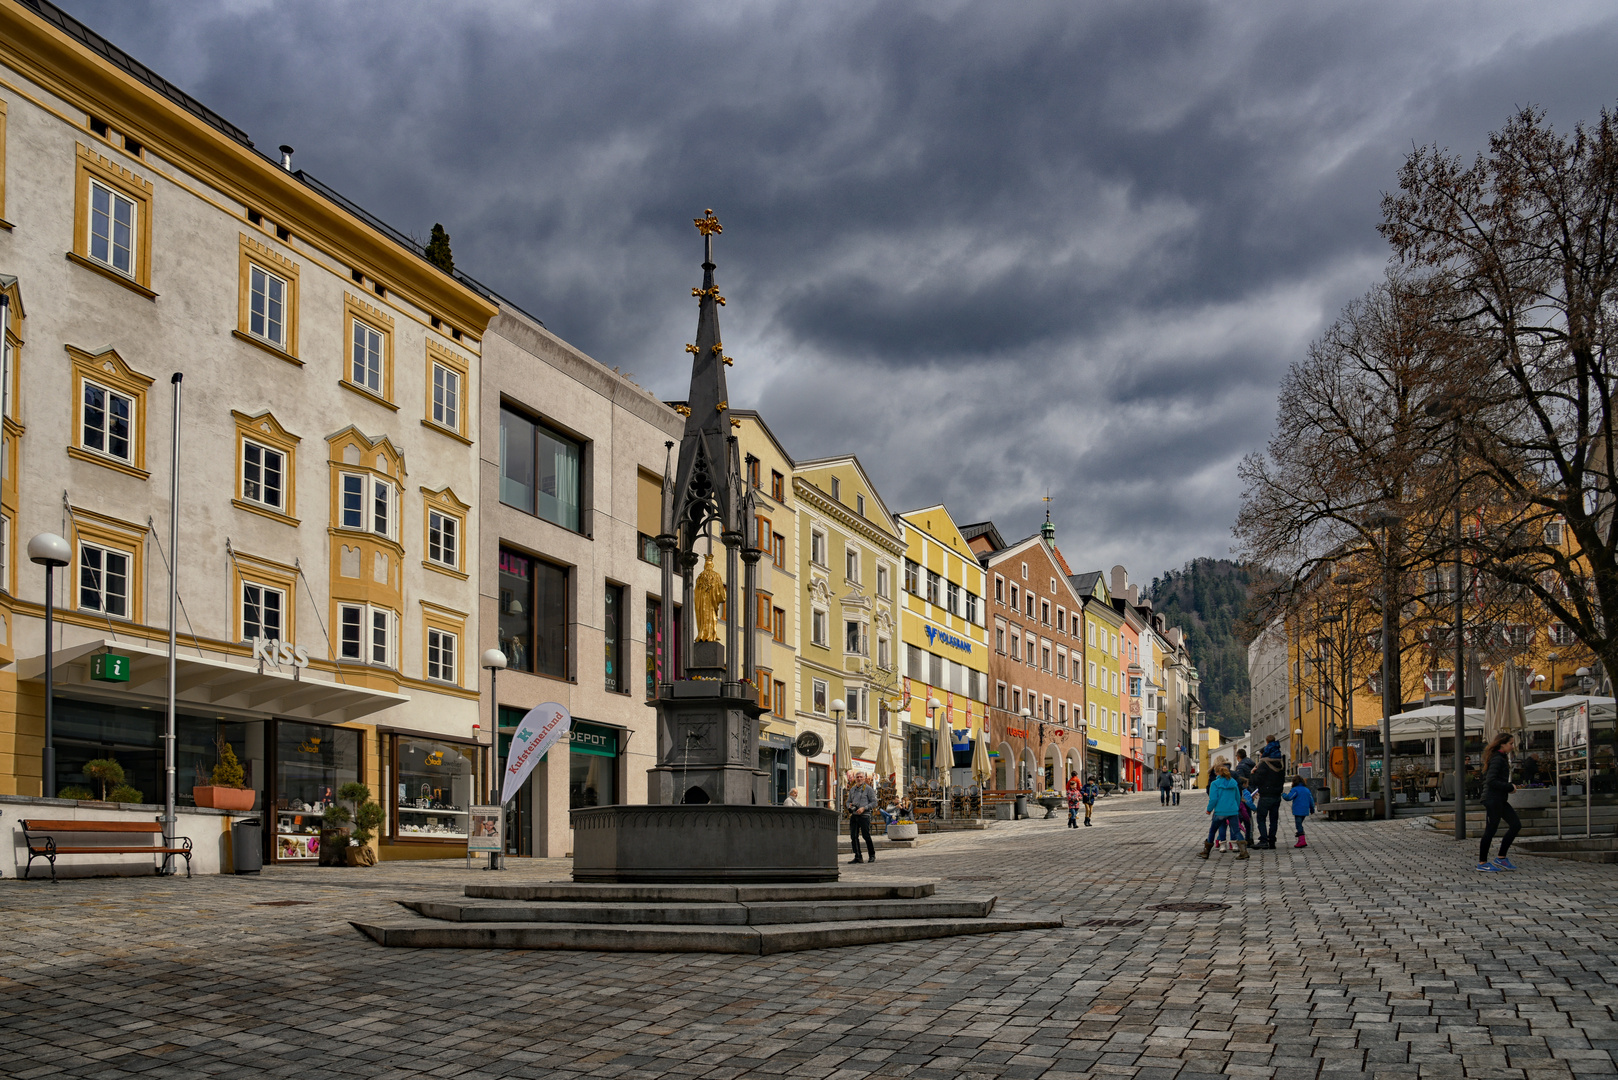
286 157
1119 583
1134 595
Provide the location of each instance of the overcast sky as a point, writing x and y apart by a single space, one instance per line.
990 248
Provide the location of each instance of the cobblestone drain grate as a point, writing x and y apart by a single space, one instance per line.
284 903
1112 922
976 877
1190 907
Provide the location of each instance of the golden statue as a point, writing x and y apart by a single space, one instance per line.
709 598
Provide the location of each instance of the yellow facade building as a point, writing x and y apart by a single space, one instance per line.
946 644
1104 690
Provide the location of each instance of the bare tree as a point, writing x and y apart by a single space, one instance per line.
1520 250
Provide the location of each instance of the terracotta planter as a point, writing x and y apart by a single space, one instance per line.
224 798
361 856
902 830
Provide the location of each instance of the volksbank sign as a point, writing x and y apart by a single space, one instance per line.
934 634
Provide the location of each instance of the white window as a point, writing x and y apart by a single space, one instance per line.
1092 673
262 608
103 580
263 474
367 505
817 548
882 581
108 421
859 505
855 640
1092 713
1114 638
446 397
1560 634
266 306
366 369
818 696
1553 534
837 489
817 627
884 654
367 634
851 698
5 554
1061 665
1053 586
443 532
112 229
440 655
972 609
851 564
1092 628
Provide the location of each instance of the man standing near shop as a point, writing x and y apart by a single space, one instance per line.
861 800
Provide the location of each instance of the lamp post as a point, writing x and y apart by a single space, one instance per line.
838 707
49 551
1334 726
933 705
494 662
1553 656
1446 406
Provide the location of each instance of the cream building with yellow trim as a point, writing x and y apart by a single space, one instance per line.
329 472
946 642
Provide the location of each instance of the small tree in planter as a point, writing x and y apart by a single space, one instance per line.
106 772
229 790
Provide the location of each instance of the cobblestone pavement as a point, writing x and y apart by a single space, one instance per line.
1376 951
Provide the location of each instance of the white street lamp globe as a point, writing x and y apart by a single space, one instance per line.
934 703
495 659
1026 715
838 704
48 549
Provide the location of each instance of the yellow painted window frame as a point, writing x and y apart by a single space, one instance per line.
439 356
265 429
445 621
357 310
246 569
252 253
110 532
447 503
109 370
92 166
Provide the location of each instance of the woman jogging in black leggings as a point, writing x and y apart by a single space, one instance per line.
1497 788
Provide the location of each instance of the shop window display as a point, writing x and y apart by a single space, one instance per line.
434 791
592 765
312 762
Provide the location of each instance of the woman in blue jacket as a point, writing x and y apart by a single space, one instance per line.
1224 806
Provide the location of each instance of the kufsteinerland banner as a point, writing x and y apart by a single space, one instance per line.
537 733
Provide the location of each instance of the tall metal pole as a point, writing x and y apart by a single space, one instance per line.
495 770
1460 677
1387 668
174 594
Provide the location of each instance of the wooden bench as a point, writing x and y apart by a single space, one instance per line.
1358 808
40 836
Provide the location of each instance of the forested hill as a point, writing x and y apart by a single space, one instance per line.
1208 599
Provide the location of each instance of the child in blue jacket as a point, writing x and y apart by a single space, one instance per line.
1303 804
1224 807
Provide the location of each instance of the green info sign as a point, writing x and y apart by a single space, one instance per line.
109 667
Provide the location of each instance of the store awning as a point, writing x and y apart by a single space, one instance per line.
209 683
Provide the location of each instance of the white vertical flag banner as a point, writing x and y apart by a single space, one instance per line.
537 733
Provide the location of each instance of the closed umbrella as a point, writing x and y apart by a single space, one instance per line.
982 771
842 760
1515 716
1493 717
884 756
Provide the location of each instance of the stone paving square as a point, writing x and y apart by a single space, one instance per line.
1377 952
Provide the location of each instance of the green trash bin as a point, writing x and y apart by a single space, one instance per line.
247 846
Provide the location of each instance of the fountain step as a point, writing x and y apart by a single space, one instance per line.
688 914
751 940
571 892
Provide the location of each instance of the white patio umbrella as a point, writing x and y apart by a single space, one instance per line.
1512 716
1542 714
884 756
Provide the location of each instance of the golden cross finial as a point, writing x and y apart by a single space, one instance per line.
708 224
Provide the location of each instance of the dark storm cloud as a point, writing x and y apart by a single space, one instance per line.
994 250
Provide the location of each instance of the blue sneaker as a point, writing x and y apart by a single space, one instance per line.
1488 868
1505 864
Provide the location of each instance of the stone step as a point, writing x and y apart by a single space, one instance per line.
760 914
753 940
1597 849
572 892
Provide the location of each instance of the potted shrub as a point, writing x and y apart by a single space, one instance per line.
345 836
126 793
229 790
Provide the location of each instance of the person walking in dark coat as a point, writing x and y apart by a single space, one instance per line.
1497 789
1165 785
1268 780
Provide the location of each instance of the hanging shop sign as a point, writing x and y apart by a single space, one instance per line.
280 653
585 738
537 733
109 667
